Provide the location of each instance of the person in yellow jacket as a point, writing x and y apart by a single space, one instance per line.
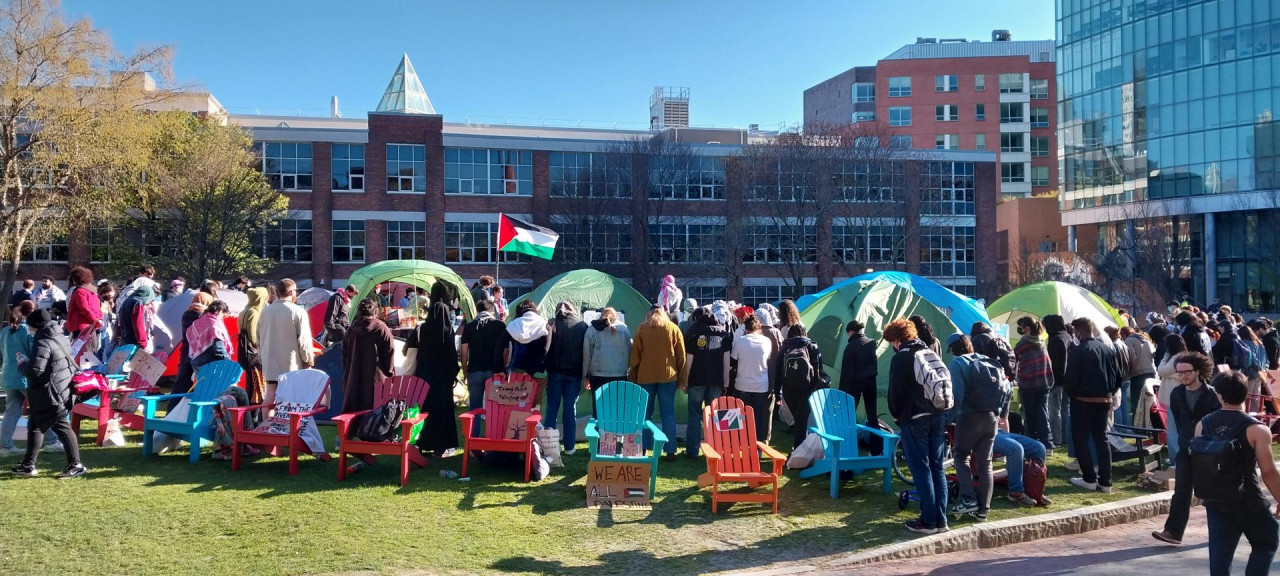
657 360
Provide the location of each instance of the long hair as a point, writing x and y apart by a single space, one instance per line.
1174 345
657 318
19 313
1247 333
923 330
788 312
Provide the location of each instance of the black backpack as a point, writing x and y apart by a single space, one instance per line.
1222 464
988 389
797 369
383 424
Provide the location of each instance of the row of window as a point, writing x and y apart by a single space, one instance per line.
1017 172
900 86
1010 113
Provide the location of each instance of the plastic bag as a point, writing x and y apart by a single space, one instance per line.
549 438
410 414
806 453
114 436
408 363
784 414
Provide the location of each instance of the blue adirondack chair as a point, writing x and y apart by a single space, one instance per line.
620 409
114 368
211 380
837 425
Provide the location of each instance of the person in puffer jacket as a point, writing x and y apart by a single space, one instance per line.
49 397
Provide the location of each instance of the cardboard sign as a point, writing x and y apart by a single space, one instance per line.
729 419
116 363
89 360
147 367
623 485
513 392
625 445
516 430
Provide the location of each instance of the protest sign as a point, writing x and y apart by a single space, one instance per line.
622 485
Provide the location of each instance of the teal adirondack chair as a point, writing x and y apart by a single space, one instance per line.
837 424
620 409
211 380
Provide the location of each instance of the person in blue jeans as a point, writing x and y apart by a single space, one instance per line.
707 348
564 373
921 424
1017 449
657 360
486 349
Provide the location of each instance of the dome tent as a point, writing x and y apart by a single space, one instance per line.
417 272
963 310
875 303
587 289
1044 298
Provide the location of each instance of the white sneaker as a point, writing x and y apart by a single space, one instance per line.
1078 481
52 448
570 452
15 451
1104 489
1072 465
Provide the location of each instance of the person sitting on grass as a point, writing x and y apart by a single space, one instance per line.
1188 404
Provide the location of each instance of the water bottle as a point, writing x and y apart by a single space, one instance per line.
448 474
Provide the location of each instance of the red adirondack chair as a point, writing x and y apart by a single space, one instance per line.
307 390
500 434
409 389
733 454
108 404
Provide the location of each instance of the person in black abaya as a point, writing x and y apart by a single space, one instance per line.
437 360
367 353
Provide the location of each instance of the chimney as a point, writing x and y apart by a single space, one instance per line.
333 108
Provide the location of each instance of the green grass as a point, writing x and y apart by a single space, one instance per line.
164 515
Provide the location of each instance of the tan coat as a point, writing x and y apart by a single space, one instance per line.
657 354
284 339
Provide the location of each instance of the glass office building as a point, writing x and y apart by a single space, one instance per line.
1168 144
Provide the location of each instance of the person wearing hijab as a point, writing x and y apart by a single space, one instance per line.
49 395
185 379
669 297
367 352
438 365
564 373
768 316
720 311
686 313
255 386
207 338
136 318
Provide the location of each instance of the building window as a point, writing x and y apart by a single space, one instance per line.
780 243
706 293
1039 175
54 249
686 177
946 112
287 165
980 142
100 237
348 241
947 251
876 242
864 117
1039 89
1011 83
406 168
348 167
488 171
600 240
589 175
864 92
1013 172
979 82
1039 117
287 240
948 189
406 240
946 83
899 86
946 141
900 142
1013 142
754 295
1039 146
686 243
980 112
900 116
473 243
868 181
1012 113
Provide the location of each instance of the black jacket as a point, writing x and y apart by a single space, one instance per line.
1224 349
819 378
1191 335
1271 341
987 344
906 395
48 372
565 354
1059 345
708 343
336 321
1092 370
1185 417
858 365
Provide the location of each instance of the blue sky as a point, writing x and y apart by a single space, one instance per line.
529 62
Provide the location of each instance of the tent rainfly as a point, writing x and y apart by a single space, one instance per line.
417 272
1044 298
587 290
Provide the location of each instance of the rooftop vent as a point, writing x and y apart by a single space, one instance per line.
1001 36
923 40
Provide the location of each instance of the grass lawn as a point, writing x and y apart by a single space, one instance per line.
164 515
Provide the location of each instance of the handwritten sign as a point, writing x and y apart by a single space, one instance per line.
622 485
514 392
147 367
516 429
116 363
625 445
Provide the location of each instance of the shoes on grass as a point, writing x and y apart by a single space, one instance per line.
25 471
978 516
570 452
1072 465
73 471
450 452
965 507
1167 538
1044 500
1078 481
921 528
52 448
1022 498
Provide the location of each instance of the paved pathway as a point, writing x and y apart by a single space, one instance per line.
1123 549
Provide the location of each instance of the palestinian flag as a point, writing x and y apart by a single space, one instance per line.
517 235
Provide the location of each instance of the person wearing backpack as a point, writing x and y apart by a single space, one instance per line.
1257 362
1188 404
1035 379
986 343
1229 349
1228 447
799 374
981 392
1091 381
919 394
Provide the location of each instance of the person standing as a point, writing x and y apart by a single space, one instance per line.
606 353
1234 503
135 318
84 310
146 273
1271 341
1059 404
925 331
1091 381
247 342
49 396
920 420
669 299
657 359
23 294
499 302
708 347
798 374
979 397
1188 404
858 370
986 343
1142 367
176 288
1257 362
1169 381
438 365
1123 358
367 353
107 305
284 337
48 294
564 373
337 314
753 352
788 316
485 351
15 341
1035 380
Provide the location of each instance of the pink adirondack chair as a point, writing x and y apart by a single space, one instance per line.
304 389
498 435
412 391
119 403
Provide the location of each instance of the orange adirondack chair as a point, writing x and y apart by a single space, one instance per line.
498 436
300 396
411 390
101 407
733 454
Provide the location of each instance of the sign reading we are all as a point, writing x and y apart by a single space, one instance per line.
622 485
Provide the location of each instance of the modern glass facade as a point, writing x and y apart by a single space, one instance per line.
1166 121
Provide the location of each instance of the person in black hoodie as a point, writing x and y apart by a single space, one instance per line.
1224 349
1192 331
1091 381
707 347
1059 405
796 388
564 372
858 370
986 343
49 396
921 424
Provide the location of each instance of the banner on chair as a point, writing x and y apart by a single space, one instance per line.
620 485
625 445
512 392
147 367
728 419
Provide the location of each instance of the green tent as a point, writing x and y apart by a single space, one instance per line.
587 290
416 272
874 303
1044 298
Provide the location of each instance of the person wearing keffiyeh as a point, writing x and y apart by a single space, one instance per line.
669 297
207 338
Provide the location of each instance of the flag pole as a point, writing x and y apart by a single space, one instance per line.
497 265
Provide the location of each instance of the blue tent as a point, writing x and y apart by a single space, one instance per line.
962 310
